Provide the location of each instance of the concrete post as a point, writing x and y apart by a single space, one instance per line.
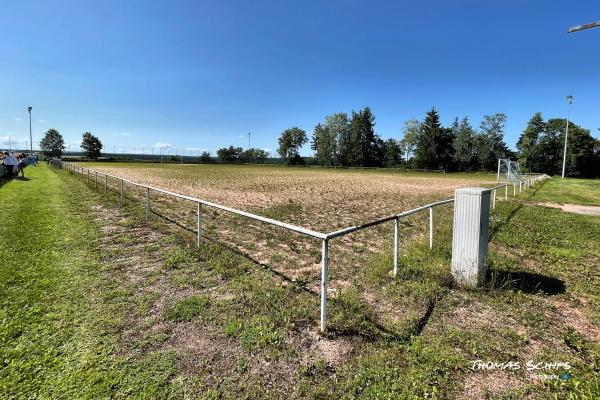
470 235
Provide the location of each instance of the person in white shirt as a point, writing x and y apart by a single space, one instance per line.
11 162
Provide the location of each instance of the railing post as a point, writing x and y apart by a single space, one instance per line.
147 203
520 189
506 192
105 183
396 244
494 199
470 235
199 231
324 276
96 180
514 189
430 228
122 191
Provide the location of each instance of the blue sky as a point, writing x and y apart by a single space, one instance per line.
200 75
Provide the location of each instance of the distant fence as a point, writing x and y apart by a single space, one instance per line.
100 179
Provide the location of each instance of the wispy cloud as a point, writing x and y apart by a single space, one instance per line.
164 146
18 119
9 140
122 133
43 121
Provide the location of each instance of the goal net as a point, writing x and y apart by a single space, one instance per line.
509 170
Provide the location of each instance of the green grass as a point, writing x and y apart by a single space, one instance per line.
59 315
66 308
570 191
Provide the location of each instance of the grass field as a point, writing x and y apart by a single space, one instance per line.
98 303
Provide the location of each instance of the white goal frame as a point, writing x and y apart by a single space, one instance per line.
510 168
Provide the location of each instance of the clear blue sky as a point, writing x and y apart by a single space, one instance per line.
201 75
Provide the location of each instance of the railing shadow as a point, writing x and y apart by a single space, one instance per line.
524 281
372 332
512 214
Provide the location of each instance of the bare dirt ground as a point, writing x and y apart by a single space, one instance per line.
575 208
321 199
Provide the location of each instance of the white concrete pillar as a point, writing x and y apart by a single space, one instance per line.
470 235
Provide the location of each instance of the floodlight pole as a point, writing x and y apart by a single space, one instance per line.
569 101
584 26
248 140
30 137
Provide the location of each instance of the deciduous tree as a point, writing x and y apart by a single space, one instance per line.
52 144
229 154
91 145
290 142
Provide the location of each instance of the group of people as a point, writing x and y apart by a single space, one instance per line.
13 164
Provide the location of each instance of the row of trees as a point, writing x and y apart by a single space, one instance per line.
541 148
343 141
53 144
351 141
237 154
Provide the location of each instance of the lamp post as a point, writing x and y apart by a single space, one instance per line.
30 138
569 101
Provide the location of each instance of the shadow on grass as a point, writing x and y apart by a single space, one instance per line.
527 282
496 228
353 319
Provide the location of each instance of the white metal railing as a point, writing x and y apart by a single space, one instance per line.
324 237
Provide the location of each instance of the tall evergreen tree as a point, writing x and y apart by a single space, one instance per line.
490 141
366 146
429 143
324 144
528 141
392 153
447 150
465 150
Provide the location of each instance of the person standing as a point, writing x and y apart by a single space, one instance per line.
11 163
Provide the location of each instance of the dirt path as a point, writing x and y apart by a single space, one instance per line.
575 208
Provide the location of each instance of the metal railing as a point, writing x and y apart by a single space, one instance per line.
324 237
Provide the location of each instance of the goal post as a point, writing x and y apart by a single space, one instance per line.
508 169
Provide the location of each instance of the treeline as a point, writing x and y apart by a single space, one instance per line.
541 148
53 144
352 142
238 155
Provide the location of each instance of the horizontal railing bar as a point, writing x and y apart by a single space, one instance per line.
346 231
